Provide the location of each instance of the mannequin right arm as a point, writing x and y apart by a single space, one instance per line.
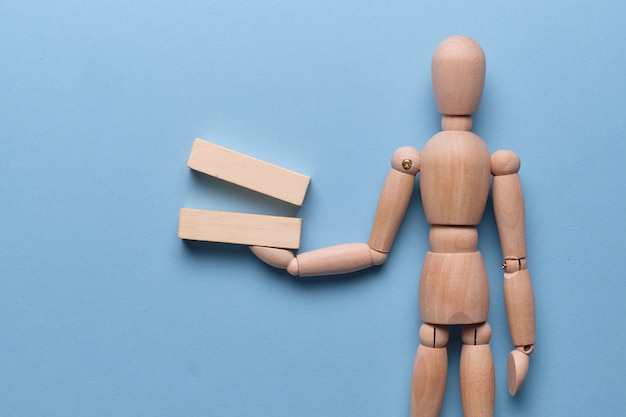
392 205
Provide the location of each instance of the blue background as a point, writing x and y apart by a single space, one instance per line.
105 312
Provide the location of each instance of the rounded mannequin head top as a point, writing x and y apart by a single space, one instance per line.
458 71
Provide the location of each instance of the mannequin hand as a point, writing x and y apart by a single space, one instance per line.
517 368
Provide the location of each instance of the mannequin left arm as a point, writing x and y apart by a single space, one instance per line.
518 291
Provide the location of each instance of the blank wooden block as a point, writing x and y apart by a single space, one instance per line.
248 172
240 228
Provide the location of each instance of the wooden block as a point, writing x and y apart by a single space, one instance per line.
248 172
239 228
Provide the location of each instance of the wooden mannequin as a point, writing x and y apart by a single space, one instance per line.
455 172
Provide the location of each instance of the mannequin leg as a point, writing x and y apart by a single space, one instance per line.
430 369
477 372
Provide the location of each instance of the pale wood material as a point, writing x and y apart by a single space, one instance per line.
463 123
516 370
453 289
458 72
392 204
508 206
454 178
276 257
477 381
508 202
520 307
394 198
514 264
456 169
239 228
248 172
476 334
434 336
340 259
428 381
407 160
453 239
505 162
430 368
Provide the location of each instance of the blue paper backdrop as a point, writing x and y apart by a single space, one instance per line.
105 312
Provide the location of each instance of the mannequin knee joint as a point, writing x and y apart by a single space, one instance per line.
433 336
476 334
